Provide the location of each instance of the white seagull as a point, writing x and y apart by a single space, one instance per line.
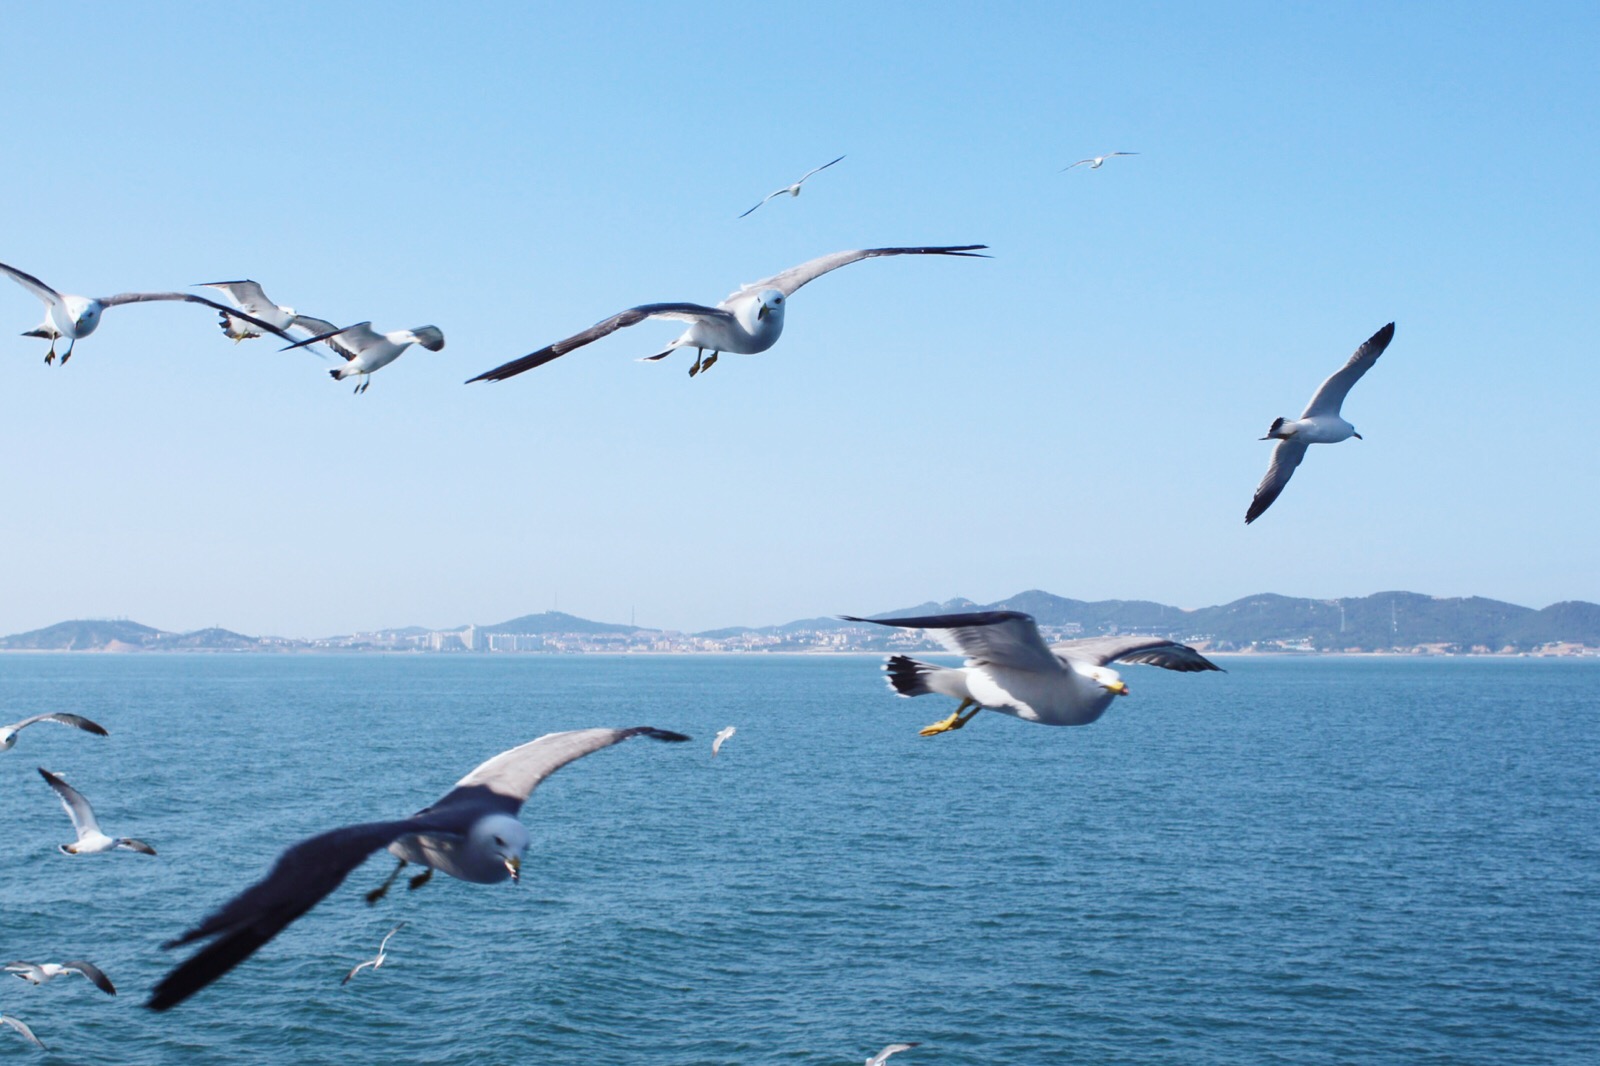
38 973
1096 162
248 297
1320 423
893 1049
722 734
8 733
367 351
1010 669
794 190
91 841
376 961
22 1027
471 833
747 322
75 317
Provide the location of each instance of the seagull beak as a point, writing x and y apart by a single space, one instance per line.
1357 436
761 312
1118 688
514 868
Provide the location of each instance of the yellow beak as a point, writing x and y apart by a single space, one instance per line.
514 866
761 312
1119 688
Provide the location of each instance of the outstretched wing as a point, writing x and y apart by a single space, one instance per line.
246 295
357 968
986 638
1330 397
893 1049
767 197
683 312
815 170
1079 163
76 720
93 973
792 279
348 341
21 1027
44 292
1153 651
301 877
1285 457
189 297
511 776
78 808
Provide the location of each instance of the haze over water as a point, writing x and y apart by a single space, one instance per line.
1299 861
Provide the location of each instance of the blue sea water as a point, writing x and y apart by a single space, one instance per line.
1298 861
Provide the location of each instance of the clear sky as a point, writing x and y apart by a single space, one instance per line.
1078 414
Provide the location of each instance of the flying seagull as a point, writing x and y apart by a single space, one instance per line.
747 322
794 190
471 833
75 317
893 1049
8 733
1320 423
1096 162
22 1027
1010 669
38 973
722 734
248 297
91 841
376 961
366 351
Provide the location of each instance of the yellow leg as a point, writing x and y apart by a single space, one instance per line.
955 721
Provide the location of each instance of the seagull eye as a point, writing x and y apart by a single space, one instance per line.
500 842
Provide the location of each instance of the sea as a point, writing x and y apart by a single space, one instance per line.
1301 860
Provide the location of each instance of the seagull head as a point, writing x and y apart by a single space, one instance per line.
85 313
769 302
1109 680
501 839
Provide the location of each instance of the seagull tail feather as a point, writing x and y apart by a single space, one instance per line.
912 677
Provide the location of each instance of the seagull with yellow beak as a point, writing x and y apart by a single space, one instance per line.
1011 669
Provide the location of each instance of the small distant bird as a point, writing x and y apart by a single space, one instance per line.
747 322
1010 669
75 317
1096 162
1320 423
376 961
893 1049
722 734
367 351
471 833
21 1027
248 297
38 973
8 733
794 190
91 841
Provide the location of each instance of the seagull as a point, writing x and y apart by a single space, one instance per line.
38 973
378 960
1320 423
722 734
247 296
75 317
747 322
471 833
366 351
893 1049
1010 669
1096 162
22 1027
8 733
91 841
794 190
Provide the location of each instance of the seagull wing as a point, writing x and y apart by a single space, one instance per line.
21 1027
767 197
27 971
1079 163
986 638
302 876
78 808
814 170
1110 154
93 973
1330 397
1153 651
683 312
348 341
893 1049
76 720
792 279
383 946
507 780
44 292
189 297
1285 457
357 968
245 295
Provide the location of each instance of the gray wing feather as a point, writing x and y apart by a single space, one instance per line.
997 638
93 973
32 284
1330 397
893 1049
76 720
78 808
516 773
685 312
792 279
246 295
348 341
21 1027
815 170
188 297
1285 457
1152 651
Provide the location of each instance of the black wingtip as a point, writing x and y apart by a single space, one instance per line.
658 734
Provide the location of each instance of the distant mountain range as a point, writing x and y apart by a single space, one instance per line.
1384 621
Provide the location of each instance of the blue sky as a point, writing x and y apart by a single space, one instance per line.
1078 414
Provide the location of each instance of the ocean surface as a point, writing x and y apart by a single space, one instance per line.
1299 861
